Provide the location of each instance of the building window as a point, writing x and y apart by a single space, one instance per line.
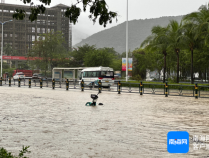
43 30
38 30
33 38
33 29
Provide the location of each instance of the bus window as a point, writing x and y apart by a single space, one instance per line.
108 74
95 74
91 74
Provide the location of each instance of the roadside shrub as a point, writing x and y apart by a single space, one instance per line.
172 79
137 77
5 154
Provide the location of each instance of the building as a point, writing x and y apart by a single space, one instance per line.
20 34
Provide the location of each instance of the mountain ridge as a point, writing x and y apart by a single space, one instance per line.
115 36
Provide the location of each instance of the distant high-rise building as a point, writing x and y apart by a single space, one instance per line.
20 34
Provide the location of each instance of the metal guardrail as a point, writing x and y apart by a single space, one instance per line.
119 87
182 90
204 91
166 89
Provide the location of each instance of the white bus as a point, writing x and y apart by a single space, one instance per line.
94 74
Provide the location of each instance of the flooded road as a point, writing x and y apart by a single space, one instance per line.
56 123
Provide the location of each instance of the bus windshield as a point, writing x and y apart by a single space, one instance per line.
107 74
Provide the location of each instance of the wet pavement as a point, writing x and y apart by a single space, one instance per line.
56 123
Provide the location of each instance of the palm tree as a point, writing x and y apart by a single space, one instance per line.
191 42
196 30
158 42
174 36
201 21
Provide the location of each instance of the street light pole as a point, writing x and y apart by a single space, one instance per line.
2 34
1 48
127 45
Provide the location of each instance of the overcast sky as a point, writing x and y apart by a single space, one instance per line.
138 9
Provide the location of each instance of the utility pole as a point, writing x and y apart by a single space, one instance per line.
2 35
127 45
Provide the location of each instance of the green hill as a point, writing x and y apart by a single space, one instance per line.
116 36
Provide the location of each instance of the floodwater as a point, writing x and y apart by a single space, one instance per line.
57 124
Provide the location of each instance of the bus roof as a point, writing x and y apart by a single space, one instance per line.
98 69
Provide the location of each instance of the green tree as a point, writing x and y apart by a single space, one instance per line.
4 65
201 26
191 42
196 29
97 9
123 55
5 154
157 61
111 51
116 64
200 22
78 54
48 50
8 49
99 57
191 35
175 44
158 41
142 61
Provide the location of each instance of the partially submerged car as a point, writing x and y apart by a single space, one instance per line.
18 75
38 76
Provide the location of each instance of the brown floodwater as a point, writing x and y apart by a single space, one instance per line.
57 124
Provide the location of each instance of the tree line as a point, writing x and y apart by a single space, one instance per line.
49 52
180 47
